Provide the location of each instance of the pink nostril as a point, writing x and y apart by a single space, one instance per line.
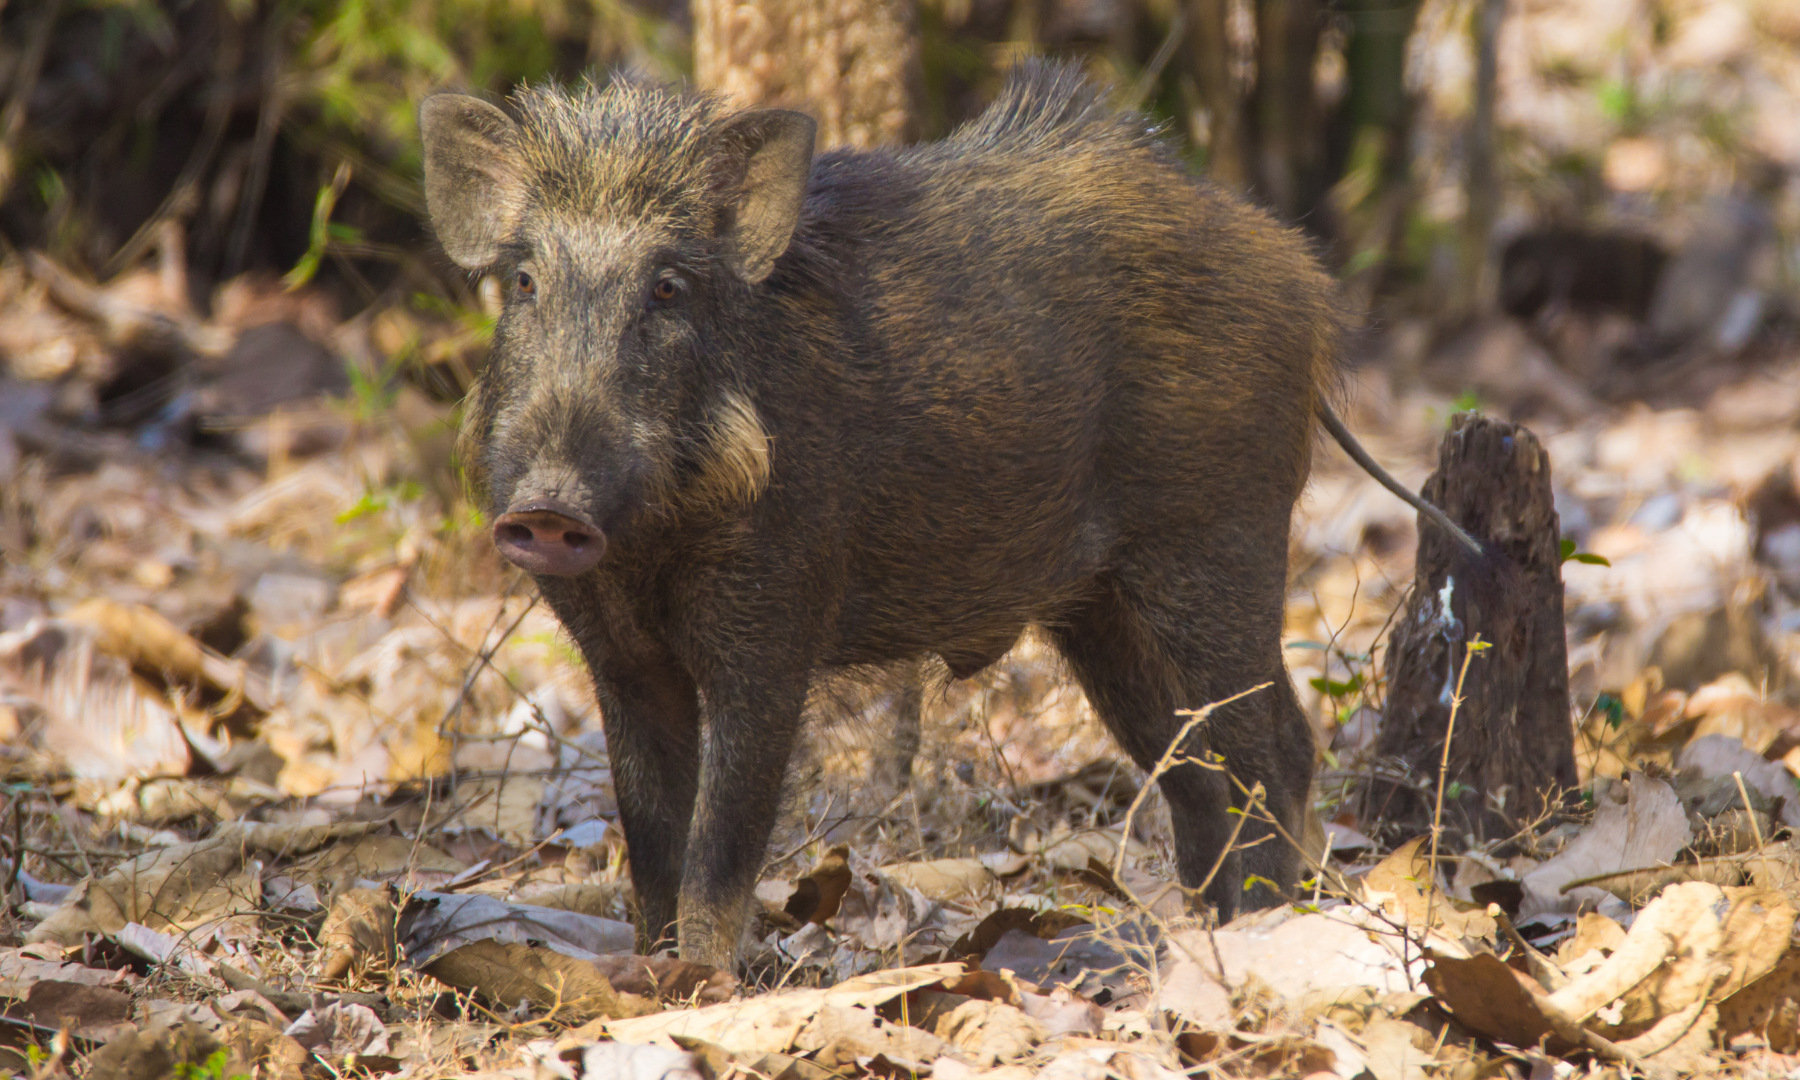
548 538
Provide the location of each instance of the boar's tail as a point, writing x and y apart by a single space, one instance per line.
1335 425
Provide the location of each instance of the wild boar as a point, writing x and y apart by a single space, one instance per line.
751 416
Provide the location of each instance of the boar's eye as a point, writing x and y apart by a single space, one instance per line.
526 285
667 290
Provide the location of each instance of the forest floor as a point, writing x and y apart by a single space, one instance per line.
302 781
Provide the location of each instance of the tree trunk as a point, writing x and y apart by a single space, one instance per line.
1288 163
1513 745
1483 188
1370 134
851 64
1210 45
1375 65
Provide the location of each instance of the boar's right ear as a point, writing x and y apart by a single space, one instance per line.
777 146
472 183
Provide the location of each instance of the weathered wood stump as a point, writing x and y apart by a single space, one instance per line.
1513 745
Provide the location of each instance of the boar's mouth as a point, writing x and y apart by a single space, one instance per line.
547 537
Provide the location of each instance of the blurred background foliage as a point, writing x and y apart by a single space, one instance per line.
1418 141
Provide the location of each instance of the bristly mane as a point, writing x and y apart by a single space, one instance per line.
629 150
1047 105
659 161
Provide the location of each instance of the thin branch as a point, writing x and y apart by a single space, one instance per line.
1437 815
1170 758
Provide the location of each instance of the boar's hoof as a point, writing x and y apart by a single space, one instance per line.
548 538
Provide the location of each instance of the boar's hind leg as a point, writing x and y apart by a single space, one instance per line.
652 719
751 724
1139 663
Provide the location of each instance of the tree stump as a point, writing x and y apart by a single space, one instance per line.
1513 747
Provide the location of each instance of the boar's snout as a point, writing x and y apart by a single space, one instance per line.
547 537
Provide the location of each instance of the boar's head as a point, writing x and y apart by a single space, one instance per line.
625 225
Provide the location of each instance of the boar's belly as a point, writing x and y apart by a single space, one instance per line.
968 603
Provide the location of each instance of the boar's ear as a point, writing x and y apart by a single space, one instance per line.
777 151
472 182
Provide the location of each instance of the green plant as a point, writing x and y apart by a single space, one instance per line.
50 186
1611 707
472 320
1466 402
213 1068
1334 689
372 394
375 500
1617 99
1346 694
1569 554
366 63
322 231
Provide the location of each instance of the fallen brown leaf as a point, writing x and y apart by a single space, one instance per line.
1404 884
666 978
595 900
1768 1007
988 986
1392 1050
338 1030
773 1022
989 1032
251 1048
1695 943
1595 938
21 969
1164 899
1074 852
989 931
1644 829
719 1062
818 894
1657 994
506 973
944 879
177 887
377 858
158 649
185 885
1063 1012
1732 707
624 1061
1315 957
96 1013
362 924
378 591
433 923
1488 997
844 1036
1639 887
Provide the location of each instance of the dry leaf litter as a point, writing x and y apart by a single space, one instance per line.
301 782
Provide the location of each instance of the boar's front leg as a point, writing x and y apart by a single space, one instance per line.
651 713
751 724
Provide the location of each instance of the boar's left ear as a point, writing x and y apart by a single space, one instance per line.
777 146
472 182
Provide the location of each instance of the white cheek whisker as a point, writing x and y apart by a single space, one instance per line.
736 463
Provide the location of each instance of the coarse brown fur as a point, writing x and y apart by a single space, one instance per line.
1033 374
